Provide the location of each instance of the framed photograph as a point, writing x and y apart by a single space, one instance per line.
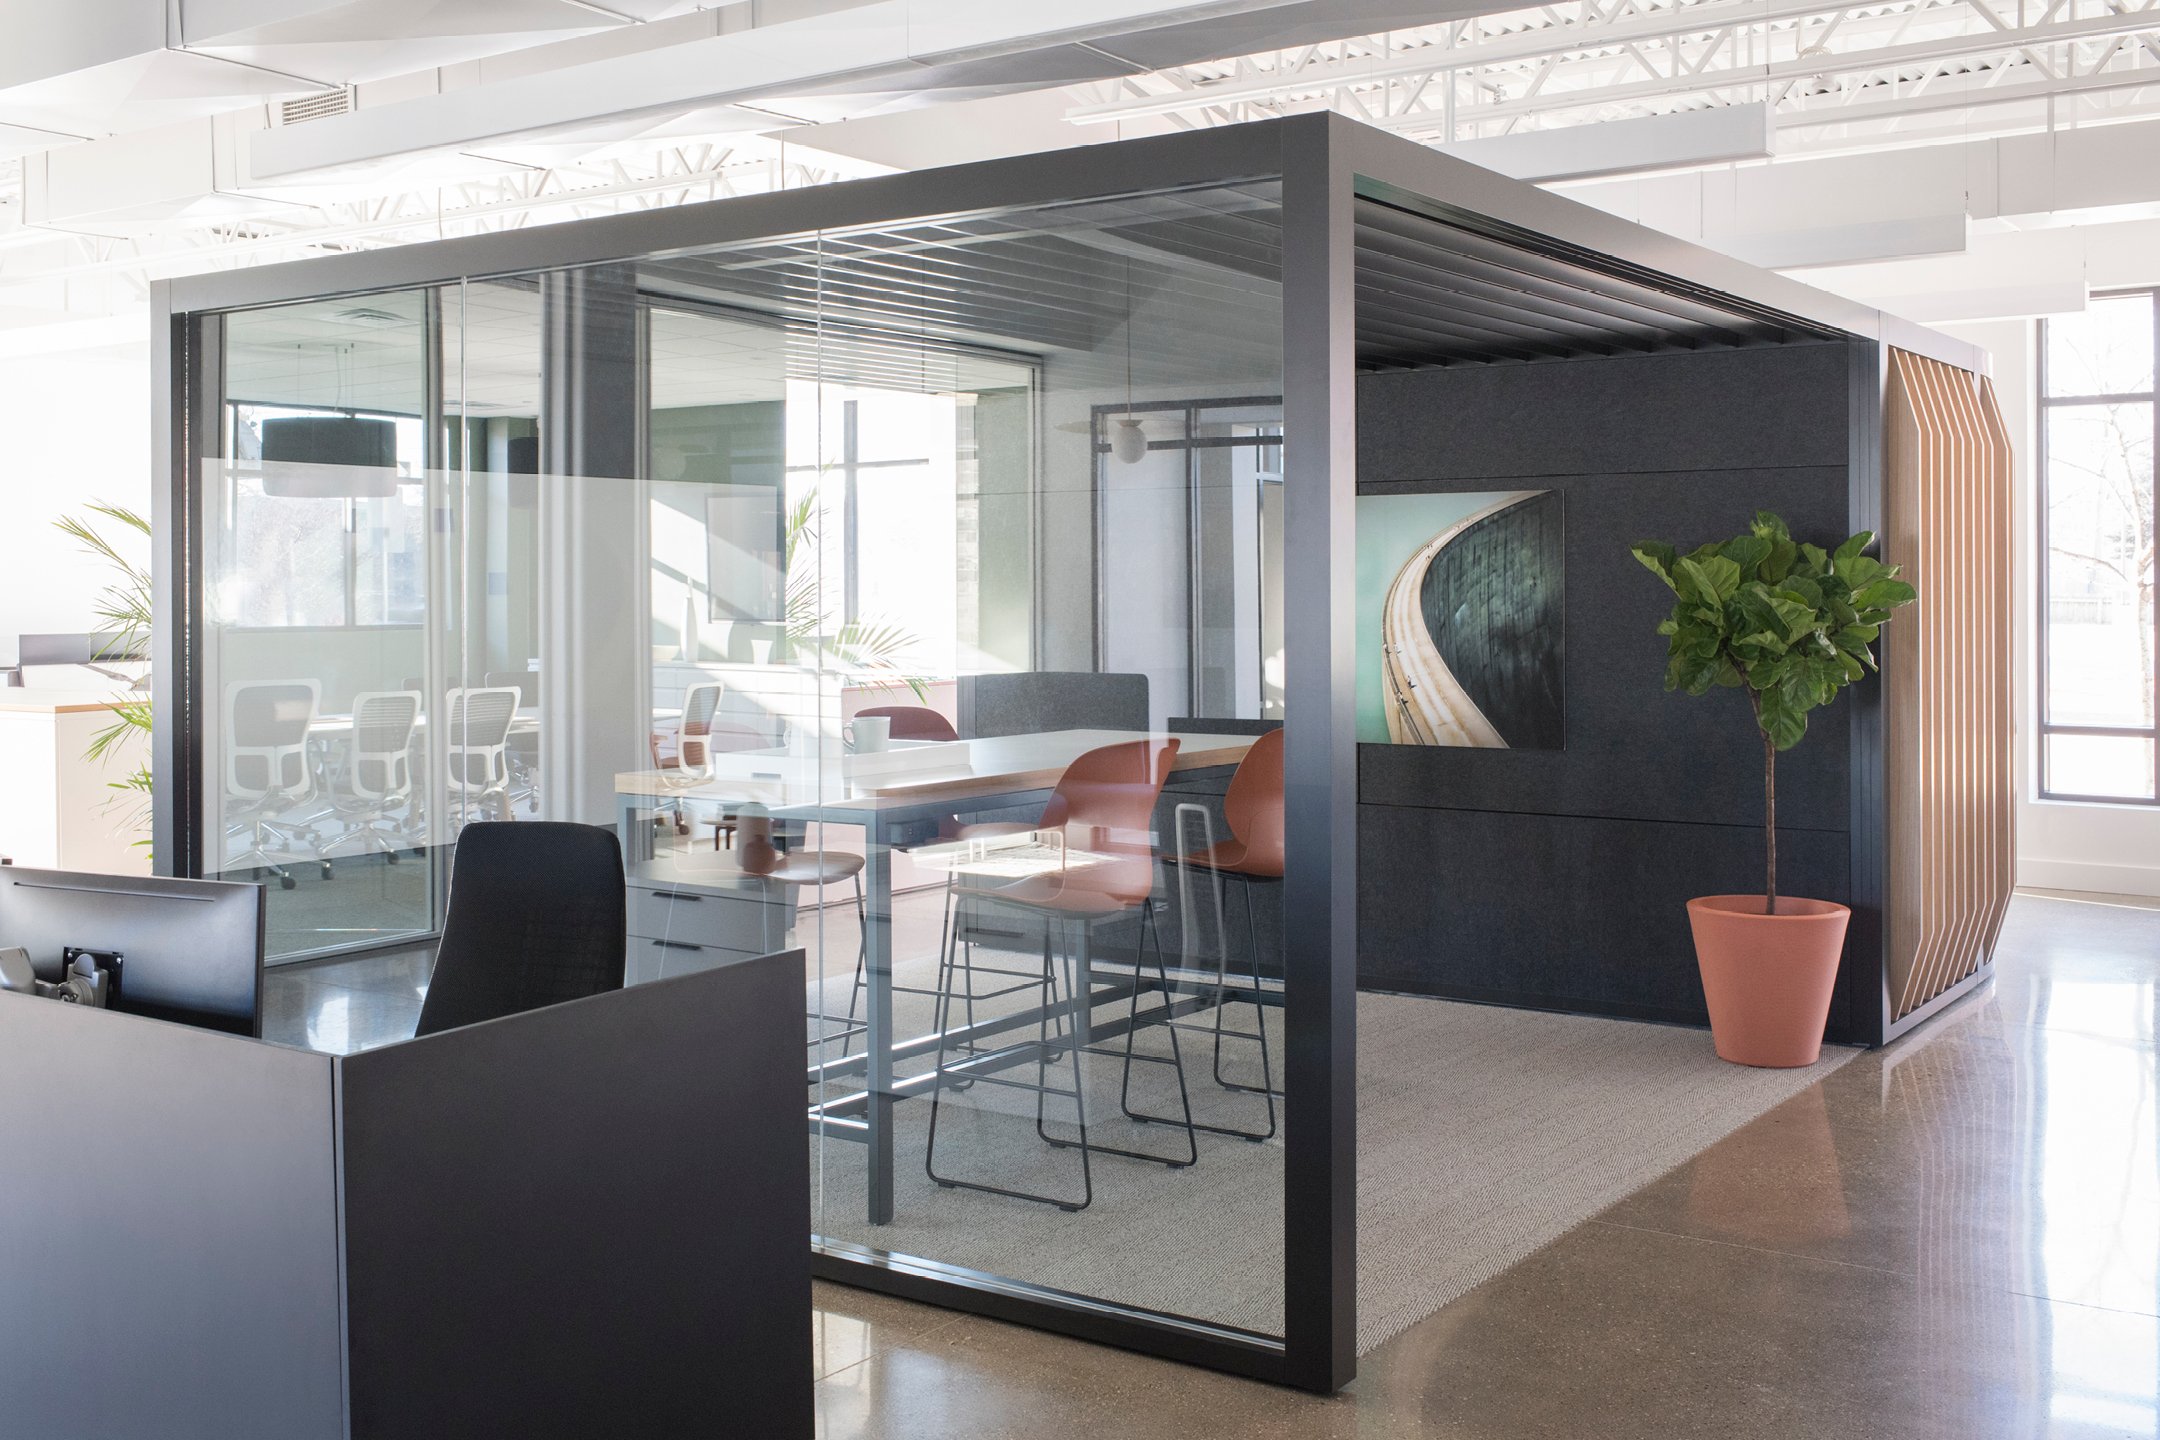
1459 619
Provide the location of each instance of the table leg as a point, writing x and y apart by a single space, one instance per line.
636 838
878 1033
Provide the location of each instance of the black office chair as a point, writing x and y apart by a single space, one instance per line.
536 918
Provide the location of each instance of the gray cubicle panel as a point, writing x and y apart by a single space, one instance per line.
587 1219
1024 701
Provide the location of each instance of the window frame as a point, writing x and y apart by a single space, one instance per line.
2044 404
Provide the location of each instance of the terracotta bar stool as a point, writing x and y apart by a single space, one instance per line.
1105 807
812 870
1253 855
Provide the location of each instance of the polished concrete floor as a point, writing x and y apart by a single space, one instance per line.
1956 1236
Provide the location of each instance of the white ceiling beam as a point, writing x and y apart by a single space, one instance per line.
885 45
1627 147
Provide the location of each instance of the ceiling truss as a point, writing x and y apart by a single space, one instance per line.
1824 69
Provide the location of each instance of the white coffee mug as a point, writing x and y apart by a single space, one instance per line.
869 734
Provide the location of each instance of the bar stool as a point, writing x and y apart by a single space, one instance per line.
758 855
914 722
1253 855
1104 806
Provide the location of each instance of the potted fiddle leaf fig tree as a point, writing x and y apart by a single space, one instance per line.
1788 625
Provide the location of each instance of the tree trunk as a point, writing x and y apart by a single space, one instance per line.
1769 783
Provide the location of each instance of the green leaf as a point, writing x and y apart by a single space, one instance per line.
1659 559
1746 551
1712 578
1855 545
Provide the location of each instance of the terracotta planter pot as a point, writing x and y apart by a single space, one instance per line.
1767 978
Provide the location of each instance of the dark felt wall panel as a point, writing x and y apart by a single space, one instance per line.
1558 878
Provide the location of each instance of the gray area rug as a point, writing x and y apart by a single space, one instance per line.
1484 1133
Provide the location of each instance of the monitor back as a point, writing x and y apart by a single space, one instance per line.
191 950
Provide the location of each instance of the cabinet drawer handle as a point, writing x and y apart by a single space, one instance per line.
677 945
675 895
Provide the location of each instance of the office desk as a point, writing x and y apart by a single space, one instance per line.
895 796
340 727
588 1219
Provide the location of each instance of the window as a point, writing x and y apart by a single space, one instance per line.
2098 688
324 561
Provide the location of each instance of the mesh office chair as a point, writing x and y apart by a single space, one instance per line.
378 775
536 918
476 758
267 774
524 748
1104 808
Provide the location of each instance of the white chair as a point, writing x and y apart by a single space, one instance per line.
377 779
476 749
267 774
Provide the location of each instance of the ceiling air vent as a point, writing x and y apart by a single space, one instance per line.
315 107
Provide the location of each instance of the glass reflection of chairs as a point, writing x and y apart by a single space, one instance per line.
267 775
913 722
699 736
1253 855
476 751
524 747
376 780
1096 864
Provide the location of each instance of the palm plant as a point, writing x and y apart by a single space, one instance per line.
870 647
124 608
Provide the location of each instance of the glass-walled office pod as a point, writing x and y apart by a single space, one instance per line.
910 591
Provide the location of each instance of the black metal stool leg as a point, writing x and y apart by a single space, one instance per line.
1152 938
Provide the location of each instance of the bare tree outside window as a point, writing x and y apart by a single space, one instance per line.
2100 692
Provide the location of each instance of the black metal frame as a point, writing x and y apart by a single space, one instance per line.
2045 404
1324 163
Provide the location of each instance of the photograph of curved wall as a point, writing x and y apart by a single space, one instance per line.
1459 620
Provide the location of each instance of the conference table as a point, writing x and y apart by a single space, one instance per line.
896 797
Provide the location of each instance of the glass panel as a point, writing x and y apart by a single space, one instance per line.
2102 766
318 553
909 595
2108 350
2100 564
960 541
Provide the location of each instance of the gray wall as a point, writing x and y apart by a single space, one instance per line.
1559 878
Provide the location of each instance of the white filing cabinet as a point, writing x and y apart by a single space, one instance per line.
682 923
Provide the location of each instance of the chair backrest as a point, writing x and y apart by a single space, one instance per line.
379 766
266 731
1028 701
1253 805
693 737
536 918
477 729
1105 803
525 682
914 722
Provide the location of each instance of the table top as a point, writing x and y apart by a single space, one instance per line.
524 722
911 774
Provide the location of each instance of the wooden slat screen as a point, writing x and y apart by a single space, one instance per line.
1947 671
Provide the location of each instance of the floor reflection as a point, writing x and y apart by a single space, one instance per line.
1956 1237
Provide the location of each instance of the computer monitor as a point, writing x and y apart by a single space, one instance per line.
190 950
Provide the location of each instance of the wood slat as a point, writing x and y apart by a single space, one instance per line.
1947 672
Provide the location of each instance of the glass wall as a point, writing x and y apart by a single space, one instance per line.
908 594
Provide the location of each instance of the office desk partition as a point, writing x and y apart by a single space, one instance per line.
581 1220
896 797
